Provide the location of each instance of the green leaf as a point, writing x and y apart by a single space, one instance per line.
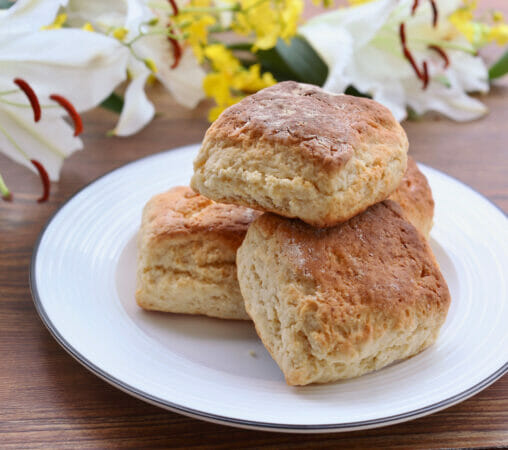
499 68
297 61
6 4
114 103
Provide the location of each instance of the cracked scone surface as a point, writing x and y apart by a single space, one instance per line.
339 302
186 255
415 198
298 151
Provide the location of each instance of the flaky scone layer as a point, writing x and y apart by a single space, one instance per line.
299 151
415 198
187 250
336 303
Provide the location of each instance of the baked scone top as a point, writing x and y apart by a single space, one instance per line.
375 261
323 127
181 211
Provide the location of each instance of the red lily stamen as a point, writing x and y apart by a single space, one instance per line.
8 197
426 78
177 48
69 107
32 97
441 53
177 52
44 178
407 53
415 5
435 12
174 6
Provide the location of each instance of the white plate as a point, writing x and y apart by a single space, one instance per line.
83 282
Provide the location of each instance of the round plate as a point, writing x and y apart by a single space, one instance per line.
83 284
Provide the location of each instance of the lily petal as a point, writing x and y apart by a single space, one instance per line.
137 109
185 82
49 141
451 102
361 22
26 16
85 76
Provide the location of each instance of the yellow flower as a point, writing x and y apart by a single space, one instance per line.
358 2
198 34
57 23
479 33
221 58
326 3
499 33
251 80
229 81
497 16
87 27
268 20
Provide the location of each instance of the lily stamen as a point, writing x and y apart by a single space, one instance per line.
426 78
69 107
32 97
174 6
433 5
407 53
45 180
414 7
434 12
441 53
177 48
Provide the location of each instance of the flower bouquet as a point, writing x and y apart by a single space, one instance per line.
62 57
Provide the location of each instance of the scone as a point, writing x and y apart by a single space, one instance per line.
187 250
336 303
415 197
299 151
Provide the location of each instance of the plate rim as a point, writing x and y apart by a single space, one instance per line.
225 420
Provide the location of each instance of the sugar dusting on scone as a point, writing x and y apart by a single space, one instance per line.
336 303
299 151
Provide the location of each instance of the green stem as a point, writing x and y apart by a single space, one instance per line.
23 105
218 29
246 46
12 91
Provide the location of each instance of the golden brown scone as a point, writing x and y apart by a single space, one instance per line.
299 151
336 303
187 250
415 197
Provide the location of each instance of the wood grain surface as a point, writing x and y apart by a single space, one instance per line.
47 400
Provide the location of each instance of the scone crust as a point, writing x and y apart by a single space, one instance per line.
181 211
336 303
415 198
292 145
187 255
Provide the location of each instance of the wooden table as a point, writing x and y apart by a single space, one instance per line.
47 399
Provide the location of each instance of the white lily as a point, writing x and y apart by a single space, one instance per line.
362 47
48 61
184 82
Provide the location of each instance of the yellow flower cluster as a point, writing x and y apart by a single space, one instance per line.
479 33
268 20
229 81
195 23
